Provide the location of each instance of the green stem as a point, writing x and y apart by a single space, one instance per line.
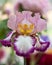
24 61
33 61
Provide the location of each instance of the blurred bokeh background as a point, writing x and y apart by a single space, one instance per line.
6 6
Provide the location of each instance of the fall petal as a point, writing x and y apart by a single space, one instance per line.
24 45
43 44
7 40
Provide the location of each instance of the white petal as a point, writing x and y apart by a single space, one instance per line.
24 43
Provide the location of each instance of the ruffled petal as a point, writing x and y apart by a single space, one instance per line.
43 47
41 6
24 45
25 17
43 44
12 22
41 24
7 40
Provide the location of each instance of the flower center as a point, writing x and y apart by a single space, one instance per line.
25 28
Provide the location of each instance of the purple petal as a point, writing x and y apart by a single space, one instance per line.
44 42
44 46
45 38
23 54
7 41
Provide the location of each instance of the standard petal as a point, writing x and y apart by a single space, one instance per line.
41 24
12 22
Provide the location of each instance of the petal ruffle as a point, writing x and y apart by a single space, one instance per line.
23 54
12 22
24 45
41 24
44 44
43 47
41 6
26 18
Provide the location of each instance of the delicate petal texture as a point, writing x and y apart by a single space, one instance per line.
43 44
24 21
7 41
24 45
41 6
41 24
12 22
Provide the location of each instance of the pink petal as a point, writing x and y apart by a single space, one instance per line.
26 14
12 22
41 24
41 6
26 18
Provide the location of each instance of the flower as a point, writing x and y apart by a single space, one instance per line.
24 22
24 37
4 54
41 6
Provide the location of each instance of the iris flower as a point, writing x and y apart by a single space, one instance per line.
41 6
24 37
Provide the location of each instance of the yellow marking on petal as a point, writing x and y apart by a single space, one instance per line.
22 31
25 26
25 29
19 25
28 31
31 26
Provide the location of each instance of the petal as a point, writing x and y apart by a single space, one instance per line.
41 6
19 17
26 14
23 45
44 37
41 23
43 47
7 40
44 44
12 22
